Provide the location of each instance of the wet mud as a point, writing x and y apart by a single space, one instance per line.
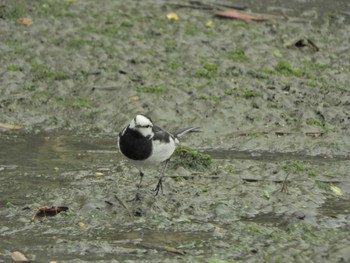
235 211
272 101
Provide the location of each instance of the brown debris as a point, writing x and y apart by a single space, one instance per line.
233 14
10 126
24 21
48 211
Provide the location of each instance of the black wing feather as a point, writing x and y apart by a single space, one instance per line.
161 135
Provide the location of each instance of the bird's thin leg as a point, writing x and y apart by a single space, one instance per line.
160 181
142 174
138 194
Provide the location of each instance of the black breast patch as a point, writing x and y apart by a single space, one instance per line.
135 146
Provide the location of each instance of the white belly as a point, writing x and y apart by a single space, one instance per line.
161 151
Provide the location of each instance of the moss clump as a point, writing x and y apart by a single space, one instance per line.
319 124
248 93
314 122
314 66
228 92
154 89
75 102
238 55
210 67
284 68
13 68
76 42
12 11
208 71
42 72
294 165
190 30
189 158
210 98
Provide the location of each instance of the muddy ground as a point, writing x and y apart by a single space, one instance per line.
272 100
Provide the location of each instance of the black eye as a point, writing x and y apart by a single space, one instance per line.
144 126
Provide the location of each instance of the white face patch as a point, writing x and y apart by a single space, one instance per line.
142 124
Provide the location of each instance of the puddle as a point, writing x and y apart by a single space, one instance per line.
334 207
274 156
66 152
45 153
265 219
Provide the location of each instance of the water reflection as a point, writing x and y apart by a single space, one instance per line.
52 152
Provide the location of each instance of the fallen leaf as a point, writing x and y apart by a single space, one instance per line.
172 16
209 23
82 225
10 126
335 189
99 173
24 21
277 53
18 257
134 98
174 250
230 13
266 194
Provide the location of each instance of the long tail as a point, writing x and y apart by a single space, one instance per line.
183 131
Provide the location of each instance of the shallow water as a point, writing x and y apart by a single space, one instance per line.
274 156
81 173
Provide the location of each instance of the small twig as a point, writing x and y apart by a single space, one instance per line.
168 249
284 188
191 176
123 204
206 6
108 202
254 180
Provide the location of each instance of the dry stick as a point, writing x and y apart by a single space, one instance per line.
254 180
123 204
192 176
284 188
206 6
168 249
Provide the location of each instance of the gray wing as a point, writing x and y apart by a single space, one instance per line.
161 135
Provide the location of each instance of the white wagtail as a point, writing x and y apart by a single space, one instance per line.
146 144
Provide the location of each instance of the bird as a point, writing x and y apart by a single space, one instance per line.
146 144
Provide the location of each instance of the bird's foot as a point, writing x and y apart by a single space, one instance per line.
137 197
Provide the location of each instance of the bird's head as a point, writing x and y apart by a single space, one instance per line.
142 124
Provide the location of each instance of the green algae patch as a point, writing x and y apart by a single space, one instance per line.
208 71
238 55
286 69
152 89
189 158
42 72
